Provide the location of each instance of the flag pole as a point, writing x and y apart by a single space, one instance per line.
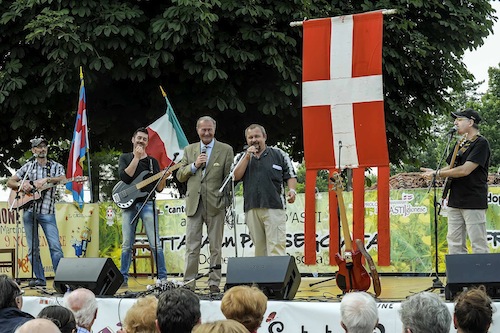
295 24
88 149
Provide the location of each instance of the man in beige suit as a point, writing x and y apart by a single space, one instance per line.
204 166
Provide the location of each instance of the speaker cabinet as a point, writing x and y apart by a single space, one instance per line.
277 277
97 274
467 270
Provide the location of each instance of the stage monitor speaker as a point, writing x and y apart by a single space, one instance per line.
97 274
278 277
466 270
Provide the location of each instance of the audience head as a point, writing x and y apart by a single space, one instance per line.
38 325
141 317
178 311
425 313
473 311
61 316
221 326
84 306
358 313
246 305
10 293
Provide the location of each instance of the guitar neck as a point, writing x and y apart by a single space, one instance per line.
62 182
343 220
157 176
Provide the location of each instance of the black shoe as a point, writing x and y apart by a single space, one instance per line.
214 289
37 283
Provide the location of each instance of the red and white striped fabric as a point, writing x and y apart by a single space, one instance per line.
342 92
343 119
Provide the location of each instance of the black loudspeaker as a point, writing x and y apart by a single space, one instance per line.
277 277
467 270
97 274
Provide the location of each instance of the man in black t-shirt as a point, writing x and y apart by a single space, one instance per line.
130 167
467 201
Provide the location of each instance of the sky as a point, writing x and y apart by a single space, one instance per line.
488 55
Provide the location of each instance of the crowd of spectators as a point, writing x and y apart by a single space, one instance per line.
179 311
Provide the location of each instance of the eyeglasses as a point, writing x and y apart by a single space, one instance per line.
20 293
462 118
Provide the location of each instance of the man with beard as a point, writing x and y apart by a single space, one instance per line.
264 171
130 166
41 175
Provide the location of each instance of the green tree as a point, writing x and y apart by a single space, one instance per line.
236 60
490 111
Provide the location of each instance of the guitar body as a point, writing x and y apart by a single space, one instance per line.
125 194
377 287
18 200
352 276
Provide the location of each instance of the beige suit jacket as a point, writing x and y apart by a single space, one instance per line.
205 186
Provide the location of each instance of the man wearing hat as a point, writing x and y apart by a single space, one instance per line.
467 201
41 173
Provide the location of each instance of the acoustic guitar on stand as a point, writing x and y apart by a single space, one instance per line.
352 275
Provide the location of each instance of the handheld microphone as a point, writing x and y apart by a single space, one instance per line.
452 130
32 158
203 151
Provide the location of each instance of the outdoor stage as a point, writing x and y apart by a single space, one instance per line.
314 309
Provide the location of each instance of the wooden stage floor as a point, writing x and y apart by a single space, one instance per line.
394 288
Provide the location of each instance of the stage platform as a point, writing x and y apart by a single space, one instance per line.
311 289
315 308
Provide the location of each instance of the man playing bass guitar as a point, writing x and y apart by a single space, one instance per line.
130 166
467 201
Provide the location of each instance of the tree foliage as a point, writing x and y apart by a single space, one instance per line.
490 111
238 61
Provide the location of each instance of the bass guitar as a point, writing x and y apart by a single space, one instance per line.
124 194
377 288
19 199
352 275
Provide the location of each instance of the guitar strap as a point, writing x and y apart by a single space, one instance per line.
466 145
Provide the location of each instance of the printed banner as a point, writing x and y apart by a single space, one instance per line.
78 232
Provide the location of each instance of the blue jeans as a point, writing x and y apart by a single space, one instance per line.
128 232
49 226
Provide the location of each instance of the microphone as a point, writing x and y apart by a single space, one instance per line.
215 267
203 151
32 158
452 130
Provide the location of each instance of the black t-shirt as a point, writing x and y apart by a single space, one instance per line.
471 192
148 165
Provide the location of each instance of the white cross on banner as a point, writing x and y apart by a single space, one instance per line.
343 108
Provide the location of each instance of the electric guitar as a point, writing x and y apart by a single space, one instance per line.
19 199
352 275
447 181
377 288
124 194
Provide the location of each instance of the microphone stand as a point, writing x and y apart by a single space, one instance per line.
436 282
35 221
229 177
155 215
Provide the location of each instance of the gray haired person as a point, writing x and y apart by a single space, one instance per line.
425 313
